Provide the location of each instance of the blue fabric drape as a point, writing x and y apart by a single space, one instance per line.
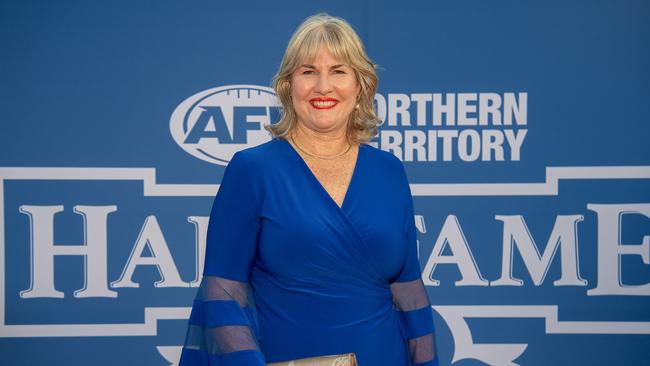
289 274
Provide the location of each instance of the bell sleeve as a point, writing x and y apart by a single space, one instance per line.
410 297
223 328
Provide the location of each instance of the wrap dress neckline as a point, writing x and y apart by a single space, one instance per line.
346 229
319 185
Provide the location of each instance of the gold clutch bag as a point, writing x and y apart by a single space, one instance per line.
333 360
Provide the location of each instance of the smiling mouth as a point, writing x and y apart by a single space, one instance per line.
323 103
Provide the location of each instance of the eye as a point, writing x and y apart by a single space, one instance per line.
308 72
339 71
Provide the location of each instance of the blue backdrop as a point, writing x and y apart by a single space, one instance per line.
523 127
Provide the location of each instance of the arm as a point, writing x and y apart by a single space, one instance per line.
410 297
223 324
411 301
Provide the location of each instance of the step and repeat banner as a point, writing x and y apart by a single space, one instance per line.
523 128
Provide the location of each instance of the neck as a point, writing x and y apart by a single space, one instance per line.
321 143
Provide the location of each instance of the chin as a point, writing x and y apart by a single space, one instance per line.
322 124
326 126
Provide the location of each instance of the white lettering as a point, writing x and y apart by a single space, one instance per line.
449 109
563 235
519 110
151 236
452 235
421 107
610 249
398 105
464 109
43 251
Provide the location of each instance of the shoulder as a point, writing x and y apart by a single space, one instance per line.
257 156
258 152
389 167
248 168
383 159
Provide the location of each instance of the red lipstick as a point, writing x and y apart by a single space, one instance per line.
323 102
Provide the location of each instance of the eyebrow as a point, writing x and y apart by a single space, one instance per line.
313 67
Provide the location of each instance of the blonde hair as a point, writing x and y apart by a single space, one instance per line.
344 44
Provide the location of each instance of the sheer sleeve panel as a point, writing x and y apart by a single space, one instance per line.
223 327
411 301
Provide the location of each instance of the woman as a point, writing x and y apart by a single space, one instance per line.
311 244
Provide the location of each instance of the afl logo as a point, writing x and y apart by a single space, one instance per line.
214 124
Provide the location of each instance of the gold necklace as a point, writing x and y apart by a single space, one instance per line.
319 156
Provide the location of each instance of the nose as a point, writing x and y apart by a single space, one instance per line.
323 84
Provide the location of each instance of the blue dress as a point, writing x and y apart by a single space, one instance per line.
289 274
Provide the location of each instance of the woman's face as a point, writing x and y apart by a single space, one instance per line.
324 92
